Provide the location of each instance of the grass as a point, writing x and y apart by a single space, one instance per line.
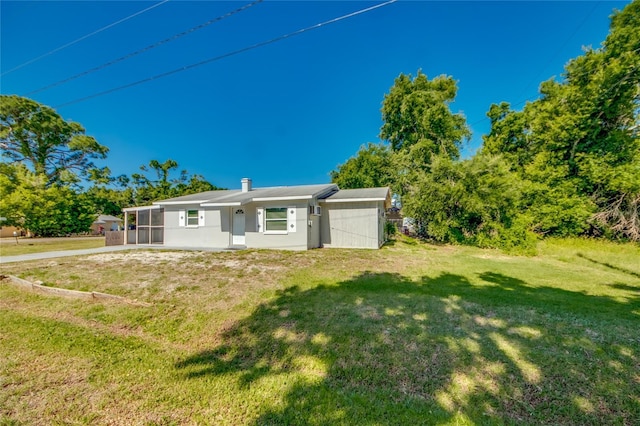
9 247
410 334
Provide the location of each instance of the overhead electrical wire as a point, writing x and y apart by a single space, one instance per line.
71 43
232 53
558 50
580 75
145 49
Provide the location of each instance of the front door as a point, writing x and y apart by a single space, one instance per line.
237 238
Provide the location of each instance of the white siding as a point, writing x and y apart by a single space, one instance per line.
214 233
352 224
290 241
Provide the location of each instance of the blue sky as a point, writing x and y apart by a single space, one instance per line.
289 112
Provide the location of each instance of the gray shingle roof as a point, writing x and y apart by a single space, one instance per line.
359 194
236 196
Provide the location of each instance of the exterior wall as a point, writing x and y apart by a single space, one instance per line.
290 241
216 231
7 231
352 224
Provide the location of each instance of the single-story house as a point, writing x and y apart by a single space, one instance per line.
287 217
7 231
105 222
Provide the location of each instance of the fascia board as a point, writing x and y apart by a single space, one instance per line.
135 209
290 198
351 200
179 203
229 204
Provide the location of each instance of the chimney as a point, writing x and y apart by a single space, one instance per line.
246 184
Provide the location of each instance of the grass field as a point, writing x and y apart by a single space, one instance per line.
9 247
410 334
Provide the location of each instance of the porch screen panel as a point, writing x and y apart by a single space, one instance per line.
157 235
131 228
143 235
157 217
143 217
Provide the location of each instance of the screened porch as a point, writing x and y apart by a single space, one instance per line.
144 225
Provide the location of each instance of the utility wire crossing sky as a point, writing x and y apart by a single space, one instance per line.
261 95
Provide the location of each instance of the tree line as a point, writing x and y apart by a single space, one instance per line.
567 164
49 183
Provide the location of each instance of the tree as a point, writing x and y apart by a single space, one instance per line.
147 189
45 211
475 201
416 112
419 126
580 140
371 167
37 136
109 195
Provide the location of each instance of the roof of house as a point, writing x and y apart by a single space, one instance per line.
361 194
236 197
103 218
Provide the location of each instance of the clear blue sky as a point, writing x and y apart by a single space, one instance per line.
289 112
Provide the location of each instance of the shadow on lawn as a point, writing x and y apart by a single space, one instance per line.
609 265
381 348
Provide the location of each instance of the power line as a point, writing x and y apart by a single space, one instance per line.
549 61
622 79
226 55
559 49
64 46
144 49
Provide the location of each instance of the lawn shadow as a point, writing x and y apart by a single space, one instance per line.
382 348
609 265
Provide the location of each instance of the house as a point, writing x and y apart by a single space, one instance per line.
286 217
105 222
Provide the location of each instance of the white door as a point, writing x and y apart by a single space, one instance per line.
238 228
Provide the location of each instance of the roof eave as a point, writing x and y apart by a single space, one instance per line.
351 200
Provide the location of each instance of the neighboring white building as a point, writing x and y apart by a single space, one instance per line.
286 217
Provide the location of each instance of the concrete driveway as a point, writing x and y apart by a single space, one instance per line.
64 253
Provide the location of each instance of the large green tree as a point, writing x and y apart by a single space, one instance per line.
475 201
579 142
371 167
418 125
50 146
45 211
417 116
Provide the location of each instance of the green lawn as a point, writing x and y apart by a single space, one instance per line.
410 334
9 247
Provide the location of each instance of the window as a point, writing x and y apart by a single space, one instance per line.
275 219
192 217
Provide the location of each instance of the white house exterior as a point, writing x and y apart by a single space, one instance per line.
287 217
